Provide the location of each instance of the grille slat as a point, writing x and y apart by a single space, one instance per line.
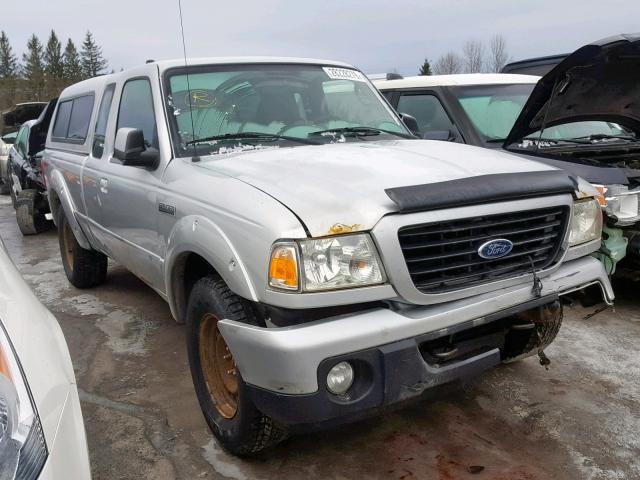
497 234
408 233
444 256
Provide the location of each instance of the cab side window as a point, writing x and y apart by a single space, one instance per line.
72 120
101 123
428 111
136 110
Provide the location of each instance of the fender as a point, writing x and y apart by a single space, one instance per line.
58 187
199 235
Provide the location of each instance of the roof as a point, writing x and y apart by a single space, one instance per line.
97 82
456 79
179 62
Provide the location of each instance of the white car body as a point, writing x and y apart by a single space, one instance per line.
42 353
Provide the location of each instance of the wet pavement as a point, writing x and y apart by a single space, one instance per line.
580 420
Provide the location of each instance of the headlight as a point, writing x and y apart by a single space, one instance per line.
23 450
621 203
326 263
586 222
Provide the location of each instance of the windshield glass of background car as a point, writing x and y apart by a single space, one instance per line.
289 100
493 110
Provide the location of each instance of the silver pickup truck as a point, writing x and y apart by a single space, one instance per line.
327 263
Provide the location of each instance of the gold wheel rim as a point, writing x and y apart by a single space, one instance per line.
218 367
67 244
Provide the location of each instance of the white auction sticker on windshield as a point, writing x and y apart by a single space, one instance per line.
336 73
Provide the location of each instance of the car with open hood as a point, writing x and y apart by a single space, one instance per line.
11 121
25 176
325 261
582 117
42 433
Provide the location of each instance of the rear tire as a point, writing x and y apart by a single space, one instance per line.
224 397
29 214
5 188
84 268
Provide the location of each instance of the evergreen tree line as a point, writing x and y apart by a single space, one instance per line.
46 69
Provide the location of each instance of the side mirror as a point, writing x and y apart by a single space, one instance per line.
411 123
130 149
442 135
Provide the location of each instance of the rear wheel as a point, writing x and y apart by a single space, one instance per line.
30 213
84 268
224 398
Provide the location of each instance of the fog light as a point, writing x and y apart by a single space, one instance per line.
340 378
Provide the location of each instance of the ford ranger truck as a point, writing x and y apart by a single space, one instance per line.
326 263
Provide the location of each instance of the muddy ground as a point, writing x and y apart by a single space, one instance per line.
580 420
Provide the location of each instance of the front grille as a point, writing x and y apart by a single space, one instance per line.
443 256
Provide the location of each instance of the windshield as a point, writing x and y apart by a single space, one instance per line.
271 106
493 110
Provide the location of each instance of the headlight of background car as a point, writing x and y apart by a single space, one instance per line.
327 263
586 222
620 202
23 450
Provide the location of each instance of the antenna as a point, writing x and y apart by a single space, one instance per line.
195 157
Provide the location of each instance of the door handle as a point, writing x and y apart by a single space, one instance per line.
104 184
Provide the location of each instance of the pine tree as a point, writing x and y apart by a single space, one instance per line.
53 64
425 68
33 69
8 61
72 68
93 63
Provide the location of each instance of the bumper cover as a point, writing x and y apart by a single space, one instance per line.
286 360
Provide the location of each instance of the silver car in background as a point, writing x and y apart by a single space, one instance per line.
5 145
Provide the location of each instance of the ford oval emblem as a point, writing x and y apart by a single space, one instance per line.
497 248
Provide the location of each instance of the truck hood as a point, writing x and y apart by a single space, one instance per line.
344 184
600 81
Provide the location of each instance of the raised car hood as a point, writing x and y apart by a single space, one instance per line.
345 183
600 81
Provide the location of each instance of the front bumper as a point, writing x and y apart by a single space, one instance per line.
289 361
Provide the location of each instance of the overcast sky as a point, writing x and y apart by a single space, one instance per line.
375 35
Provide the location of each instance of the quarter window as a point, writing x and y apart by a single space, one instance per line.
428 111
72 119
101 122
136 110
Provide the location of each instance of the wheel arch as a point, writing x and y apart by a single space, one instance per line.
198 247
59 195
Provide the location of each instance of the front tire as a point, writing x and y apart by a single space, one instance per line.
224 398
84 268
29 216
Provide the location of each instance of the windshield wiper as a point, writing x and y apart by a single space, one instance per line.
267 137
558 140
605 136
359 132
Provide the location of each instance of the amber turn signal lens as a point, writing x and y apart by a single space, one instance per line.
600 197
4 365
283 267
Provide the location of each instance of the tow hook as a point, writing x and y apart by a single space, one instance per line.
544 360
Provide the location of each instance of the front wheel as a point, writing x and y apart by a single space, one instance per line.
224 398
84 268
29 207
